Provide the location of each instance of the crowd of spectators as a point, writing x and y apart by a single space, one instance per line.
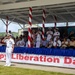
52 39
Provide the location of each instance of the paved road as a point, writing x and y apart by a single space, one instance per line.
45 68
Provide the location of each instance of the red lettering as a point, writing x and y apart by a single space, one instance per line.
16 55
44 58
21 57
36 58
13 56
49 59
41 58
56 60
67 60
26 57
5 57
2 56
31 57
74 62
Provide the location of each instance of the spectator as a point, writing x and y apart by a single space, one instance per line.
33 35
33 38
72 34
65 43
16 40
50 44
20 42
38 39
44 43
72 43
49 34
1 41
26 44
57 43
56 34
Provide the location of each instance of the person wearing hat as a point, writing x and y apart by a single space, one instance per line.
49 34
9 48
56 34
72 43
38 38
57 43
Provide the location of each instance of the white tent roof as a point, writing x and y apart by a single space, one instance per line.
18 10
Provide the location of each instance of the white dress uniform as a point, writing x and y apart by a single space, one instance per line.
9 43
56 35
38 39
57 44
49 35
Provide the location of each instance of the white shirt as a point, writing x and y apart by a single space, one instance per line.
44 43
56 35
9 42
38 37
49 35
38 44
58 43
50 44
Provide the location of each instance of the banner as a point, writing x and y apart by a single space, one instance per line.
58 61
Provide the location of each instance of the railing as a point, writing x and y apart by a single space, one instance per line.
42 51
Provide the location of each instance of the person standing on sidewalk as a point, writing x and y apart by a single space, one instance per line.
9 48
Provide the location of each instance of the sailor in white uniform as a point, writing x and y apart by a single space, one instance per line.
38 39
9 48
49 34
57 43
56 34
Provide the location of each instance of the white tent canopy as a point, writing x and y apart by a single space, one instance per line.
18 10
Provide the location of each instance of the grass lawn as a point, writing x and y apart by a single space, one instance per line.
22 71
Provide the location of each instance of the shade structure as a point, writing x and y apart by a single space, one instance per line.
18 10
